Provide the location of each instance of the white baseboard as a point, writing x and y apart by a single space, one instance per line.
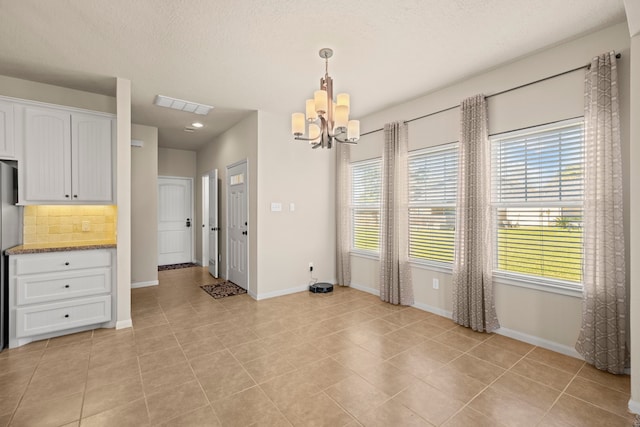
366 289
520 336
280 293
431 309
123 324
540 342
634 406
136 285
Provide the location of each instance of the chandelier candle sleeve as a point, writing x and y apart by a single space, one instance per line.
320 97
341 116
297 124
343 99
328 119
312 116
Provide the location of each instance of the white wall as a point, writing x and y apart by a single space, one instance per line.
549 319
236 144
144 200
291 171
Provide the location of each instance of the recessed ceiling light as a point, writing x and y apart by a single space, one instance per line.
182 105
197 125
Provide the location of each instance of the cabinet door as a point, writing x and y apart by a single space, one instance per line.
47 155
7 144
92 161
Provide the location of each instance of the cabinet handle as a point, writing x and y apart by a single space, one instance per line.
66 195
66 286
75 196
66 263
66 316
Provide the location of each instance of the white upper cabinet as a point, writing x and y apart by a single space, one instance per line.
46 169
68 157
7 144
91 158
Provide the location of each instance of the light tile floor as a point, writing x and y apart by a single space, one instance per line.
340 359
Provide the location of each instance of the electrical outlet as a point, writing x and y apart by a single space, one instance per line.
86 226
311 266
436 284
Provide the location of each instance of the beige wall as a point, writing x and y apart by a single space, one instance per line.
635 225
236 144
548 319
172 162
290 171
18 88
144 203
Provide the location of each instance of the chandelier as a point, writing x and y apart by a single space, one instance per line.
328 120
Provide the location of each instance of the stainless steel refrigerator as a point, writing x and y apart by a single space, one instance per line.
11 235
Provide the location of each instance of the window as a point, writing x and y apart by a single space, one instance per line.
366 186
537 191
432 203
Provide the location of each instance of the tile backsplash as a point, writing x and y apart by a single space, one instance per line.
53 224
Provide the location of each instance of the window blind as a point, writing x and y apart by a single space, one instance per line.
366 188
432 200
537 192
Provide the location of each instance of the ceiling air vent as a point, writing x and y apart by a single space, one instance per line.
182 105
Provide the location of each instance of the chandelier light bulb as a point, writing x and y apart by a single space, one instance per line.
353 130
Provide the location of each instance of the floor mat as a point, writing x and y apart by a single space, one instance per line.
224 289
176 266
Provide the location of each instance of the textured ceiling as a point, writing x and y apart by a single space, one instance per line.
242 55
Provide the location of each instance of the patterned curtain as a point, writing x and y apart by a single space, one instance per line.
602 336
343 214
395 272
473 303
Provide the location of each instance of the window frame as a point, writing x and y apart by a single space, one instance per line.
543 283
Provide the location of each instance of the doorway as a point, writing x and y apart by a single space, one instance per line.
175 231
237 223
210 225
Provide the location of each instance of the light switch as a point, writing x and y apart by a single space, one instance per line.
276 207
86 226
292 207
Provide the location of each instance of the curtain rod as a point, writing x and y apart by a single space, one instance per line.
618 55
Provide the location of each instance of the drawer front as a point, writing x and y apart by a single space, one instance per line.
56 286
62 261
44 318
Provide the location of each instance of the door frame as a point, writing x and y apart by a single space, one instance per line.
205 219
191 209
249 235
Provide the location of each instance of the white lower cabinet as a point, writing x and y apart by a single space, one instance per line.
58 293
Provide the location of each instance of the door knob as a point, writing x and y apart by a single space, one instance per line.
188 222
244 232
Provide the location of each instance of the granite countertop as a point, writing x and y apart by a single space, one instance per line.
39 248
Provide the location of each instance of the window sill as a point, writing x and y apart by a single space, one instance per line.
366 255
442 267
551 286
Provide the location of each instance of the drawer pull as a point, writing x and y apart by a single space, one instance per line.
66 286
66 263
66 316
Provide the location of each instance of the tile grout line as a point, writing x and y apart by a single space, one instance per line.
15 410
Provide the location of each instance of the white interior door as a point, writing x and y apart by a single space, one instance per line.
174 220
237 225
214 228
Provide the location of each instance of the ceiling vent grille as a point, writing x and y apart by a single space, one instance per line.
182 105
